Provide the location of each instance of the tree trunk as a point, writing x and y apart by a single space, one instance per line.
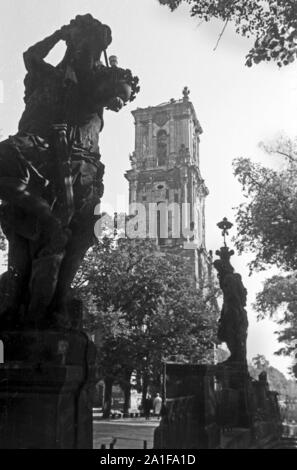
127 394
107 397
144 388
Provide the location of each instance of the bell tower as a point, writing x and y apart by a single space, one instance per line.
165 178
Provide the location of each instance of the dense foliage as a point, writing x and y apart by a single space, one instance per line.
273 24
145 308
278 300
146 297
267 227
277 381
267 221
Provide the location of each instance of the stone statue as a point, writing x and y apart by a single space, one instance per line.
162 147
233 324
51 173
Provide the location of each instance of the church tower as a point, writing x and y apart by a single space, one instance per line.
165 178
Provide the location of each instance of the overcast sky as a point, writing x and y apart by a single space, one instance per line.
236 106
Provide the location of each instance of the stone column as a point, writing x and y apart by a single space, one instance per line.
172 136
45 390
150 136
137 137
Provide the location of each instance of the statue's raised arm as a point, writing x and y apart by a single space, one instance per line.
35 55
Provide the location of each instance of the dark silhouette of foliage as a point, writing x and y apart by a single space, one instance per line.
144 307
273 24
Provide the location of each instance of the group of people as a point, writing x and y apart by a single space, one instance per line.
152 405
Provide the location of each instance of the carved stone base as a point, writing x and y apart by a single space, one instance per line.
235 399
45 385
189 418
211 407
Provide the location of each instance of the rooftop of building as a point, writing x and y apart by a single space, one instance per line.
182 101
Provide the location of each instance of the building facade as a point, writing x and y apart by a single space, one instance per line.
165 180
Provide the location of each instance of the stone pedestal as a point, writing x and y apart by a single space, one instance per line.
189 420
45 390
211 407
235 399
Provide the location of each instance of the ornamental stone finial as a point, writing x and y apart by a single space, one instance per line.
186 93
225 226
113 61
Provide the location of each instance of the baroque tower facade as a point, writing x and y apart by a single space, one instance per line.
165 180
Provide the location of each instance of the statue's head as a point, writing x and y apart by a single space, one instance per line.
223 265
86 38
115 87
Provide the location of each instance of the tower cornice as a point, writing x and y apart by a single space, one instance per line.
176 109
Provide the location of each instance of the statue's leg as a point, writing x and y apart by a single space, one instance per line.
17 193
82 237
13 284
88 189
42 287
13 290
15 293
49 247
47 254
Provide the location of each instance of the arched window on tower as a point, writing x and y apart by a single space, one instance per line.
162 147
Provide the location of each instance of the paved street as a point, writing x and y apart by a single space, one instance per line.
130 433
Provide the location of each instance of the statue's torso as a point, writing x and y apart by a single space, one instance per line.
51 100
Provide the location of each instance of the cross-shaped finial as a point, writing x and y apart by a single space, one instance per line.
225 226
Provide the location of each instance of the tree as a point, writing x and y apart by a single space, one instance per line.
260 362
146 308
267 221
277 381
278 300
267 227
273 24
116 351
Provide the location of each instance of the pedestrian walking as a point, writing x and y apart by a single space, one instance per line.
147 406
157 405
